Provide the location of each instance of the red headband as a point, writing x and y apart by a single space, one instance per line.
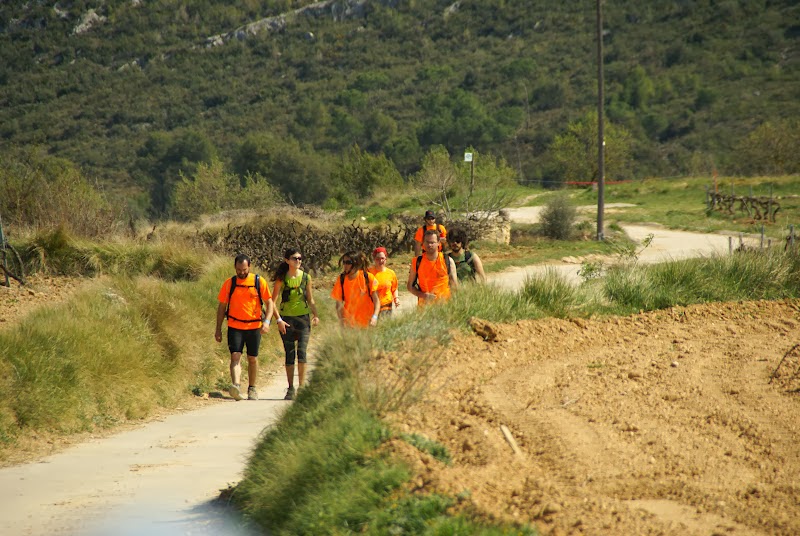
379 250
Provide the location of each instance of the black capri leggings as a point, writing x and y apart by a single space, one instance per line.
298 330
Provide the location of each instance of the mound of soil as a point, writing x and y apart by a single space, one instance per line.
671 422
17 301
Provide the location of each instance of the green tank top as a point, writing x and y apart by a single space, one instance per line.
296 304
463 266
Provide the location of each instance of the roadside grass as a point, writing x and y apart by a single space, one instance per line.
56 252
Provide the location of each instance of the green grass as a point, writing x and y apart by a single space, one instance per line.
680 203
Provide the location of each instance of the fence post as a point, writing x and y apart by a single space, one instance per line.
770 217
730 244
762 237
791 237
708 202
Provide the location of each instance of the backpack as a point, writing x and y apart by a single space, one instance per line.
438 228
467 260
260 300
415 284
286 290
341 282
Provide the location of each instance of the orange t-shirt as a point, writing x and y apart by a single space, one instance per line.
438 226
357 298
433 277
387 284
243 311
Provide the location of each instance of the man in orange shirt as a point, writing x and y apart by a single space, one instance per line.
240 301
433 274
430 223
356 292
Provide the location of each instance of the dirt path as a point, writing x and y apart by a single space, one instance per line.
161 478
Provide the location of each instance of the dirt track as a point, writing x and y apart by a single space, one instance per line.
660 423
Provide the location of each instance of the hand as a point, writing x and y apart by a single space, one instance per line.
428 296
264 328
218 335
397 302
282 327
373 321
315 320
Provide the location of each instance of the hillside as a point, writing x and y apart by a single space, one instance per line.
135 91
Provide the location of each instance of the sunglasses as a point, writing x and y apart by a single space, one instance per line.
347 261
296 258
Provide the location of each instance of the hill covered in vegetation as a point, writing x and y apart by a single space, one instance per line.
134 92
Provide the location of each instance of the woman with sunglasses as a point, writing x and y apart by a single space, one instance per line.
387 281
293 287
355 292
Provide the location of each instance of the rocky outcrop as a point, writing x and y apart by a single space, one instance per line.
88 21
335 9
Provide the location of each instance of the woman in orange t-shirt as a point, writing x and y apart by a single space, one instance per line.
356 292
387 282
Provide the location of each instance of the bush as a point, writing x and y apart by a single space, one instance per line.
558 218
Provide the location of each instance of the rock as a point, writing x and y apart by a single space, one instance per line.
484 329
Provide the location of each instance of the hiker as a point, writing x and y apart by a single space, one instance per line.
433 274
468 265
387 282
430 223
355 292
241 301
293 286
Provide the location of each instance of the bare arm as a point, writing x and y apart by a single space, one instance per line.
312 304
477 265
376 302
220 317
453 275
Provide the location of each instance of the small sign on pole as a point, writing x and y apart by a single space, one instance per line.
467 157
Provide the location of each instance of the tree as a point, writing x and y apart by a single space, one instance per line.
363 174
771 149
574 153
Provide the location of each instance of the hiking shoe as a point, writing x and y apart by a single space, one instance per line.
234 392
289 394
252 394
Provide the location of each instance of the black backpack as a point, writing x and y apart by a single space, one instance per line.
287 290
341 282
260 299
415 284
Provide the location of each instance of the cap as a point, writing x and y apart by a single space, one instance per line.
379 250
429 214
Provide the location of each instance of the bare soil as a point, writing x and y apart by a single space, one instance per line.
670 422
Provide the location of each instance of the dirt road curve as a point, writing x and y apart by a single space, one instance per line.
660 423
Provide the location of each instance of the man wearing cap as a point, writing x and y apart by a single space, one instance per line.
430 223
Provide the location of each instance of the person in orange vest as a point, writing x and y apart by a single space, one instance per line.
355 292
387 282
430 223
433 274
241 300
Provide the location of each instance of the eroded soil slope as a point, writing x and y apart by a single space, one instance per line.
660 423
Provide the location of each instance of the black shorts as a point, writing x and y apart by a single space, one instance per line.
239 338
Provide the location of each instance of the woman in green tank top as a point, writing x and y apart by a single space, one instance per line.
293 287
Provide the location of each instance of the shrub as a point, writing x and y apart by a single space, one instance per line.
558 218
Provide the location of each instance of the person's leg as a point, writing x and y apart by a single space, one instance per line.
236 368
235 345
253 341
289 349
252 370
304 333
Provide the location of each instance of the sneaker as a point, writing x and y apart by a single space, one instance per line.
234 392
289 394
252 394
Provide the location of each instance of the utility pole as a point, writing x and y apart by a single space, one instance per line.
601 142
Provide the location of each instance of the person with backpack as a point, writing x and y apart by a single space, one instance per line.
241 300
296 314
468 265
433 274
387 282
430 223
355 292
